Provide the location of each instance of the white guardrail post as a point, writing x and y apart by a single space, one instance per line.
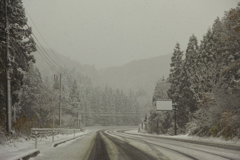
53 136
36 132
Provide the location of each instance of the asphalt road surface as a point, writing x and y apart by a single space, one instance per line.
177 149
106 144
99 150
125 151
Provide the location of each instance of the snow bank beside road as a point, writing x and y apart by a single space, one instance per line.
15 147
187 137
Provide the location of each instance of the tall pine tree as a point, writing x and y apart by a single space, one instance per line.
21 46
187 101
175 71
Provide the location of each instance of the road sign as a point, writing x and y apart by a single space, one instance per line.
164 105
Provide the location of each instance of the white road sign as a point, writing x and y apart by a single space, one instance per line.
164 105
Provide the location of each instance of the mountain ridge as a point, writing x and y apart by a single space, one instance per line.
136 75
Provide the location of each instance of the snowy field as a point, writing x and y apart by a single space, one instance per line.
16 147
204 139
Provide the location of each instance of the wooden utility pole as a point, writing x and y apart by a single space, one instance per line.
84 116
115 120
53 105
78 114
78 117
60 101
8 80
78 120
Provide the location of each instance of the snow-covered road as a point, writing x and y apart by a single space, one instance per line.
126 144
179 148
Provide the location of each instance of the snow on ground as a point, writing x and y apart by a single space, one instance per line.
204 139
15 147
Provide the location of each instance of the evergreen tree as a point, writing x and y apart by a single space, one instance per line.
230 70
74 98
175 71
187 102
30 93
159 122
160 91
206 73
21 46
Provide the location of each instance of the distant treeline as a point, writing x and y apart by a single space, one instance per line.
36 95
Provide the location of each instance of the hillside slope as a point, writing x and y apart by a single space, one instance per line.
140 75
46 61
135 75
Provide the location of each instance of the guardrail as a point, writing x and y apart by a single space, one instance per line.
39 132
51 131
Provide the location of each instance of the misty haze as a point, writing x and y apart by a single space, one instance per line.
120 79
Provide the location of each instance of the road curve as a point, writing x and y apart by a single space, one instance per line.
124 150
99 150
115 144
182 149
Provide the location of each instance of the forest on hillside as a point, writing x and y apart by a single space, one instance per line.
37 96
204 83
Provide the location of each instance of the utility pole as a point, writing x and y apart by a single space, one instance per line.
78 120
84 116
53 104
78 116
8 80
60 101
115 120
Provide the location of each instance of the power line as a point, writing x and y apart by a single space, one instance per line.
45 42
46 60
52 66
17 48
40 84
43 38
45 52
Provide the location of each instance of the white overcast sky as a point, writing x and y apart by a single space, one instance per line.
108 33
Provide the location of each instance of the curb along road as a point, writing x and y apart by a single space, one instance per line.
193 141
26 155
34 152
55 144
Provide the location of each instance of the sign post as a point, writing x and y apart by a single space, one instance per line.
175 117
167 105
164 105
78 119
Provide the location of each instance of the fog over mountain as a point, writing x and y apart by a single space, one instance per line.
111 33
135 75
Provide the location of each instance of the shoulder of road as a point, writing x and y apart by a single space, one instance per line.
26 152
202 141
